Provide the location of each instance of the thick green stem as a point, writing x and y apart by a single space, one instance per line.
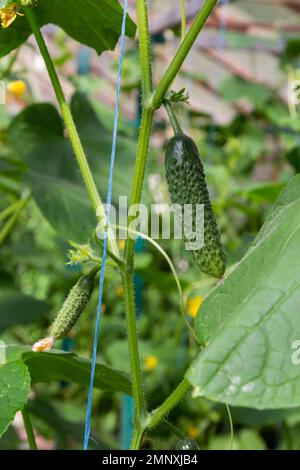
138 179
181 54
144 46
29 429
161 412
72 131
137 391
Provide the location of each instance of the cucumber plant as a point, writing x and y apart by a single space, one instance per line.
186 179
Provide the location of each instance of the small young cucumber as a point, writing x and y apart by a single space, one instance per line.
73 306
187 185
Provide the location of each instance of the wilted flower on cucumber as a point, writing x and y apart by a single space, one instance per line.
72 308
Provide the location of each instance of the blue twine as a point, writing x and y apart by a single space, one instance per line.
88 419
222 42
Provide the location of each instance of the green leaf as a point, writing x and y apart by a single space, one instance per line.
255 418
251 319
65 205
15 387
56 365
27 134
97 26
19 309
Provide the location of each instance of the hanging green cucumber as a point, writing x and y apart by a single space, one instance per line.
187 185
70 311
73 306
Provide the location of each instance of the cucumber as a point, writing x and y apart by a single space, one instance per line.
187 185
73 306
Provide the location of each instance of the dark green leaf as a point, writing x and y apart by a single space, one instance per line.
30 130
56 365
96 25
65 205
19 309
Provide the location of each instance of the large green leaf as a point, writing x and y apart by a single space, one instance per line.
60 365
19 309
95 24
14 390
56 365
251 319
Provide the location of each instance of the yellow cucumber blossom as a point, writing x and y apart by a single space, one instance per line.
17 88
193 305
8 14
150 363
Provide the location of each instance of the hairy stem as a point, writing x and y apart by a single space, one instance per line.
138 179
162 411
29 429
144 45
181 54
72 131
137 390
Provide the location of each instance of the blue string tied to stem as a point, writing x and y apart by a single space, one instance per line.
88 419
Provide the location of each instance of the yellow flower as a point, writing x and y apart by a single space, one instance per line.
8 15
193 431
150 363
193 305
17 88
121 245
119 291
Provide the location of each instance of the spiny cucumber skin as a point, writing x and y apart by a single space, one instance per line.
187 185
72 307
